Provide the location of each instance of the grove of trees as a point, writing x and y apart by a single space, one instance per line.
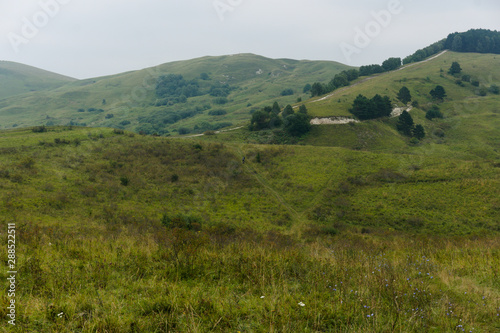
364 108
294 123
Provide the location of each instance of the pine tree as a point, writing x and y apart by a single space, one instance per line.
419 132
276 108
287 111
455 68
404 95
438 93
405 124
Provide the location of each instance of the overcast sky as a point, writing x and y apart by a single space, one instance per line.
89 38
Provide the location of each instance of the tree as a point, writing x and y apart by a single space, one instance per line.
303 109
391 64
455 68
260 120
438 93
419 132
352 74
405 124
404 95
381 106
340 80
494 89
457 44
361 108
276 108
370 69
317 89
287 111
307 88
297 124
287 92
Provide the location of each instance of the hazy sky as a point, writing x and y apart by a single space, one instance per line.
89 38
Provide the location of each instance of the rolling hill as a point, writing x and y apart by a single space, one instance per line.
471 121
354 228
17 79
235 84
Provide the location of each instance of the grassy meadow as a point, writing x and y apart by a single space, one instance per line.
118 232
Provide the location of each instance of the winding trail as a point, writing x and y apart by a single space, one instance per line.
374 76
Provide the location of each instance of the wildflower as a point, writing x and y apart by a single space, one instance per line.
301 304
262 296
60 314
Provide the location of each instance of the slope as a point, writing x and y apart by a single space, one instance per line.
470 122
231 85
119 232
17 79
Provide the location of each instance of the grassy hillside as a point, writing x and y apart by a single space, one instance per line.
121 232
129 101
17 79
470 124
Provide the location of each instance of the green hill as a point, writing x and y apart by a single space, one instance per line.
470 122
130 101
17 79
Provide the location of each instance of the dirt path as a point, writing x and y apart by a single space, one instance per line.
216 132
377 75
395 112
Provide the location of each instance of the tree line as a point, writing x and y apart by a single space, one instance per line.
474 40
269 117
344 78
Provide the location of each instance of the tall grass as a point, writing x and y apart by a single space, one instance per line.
302 239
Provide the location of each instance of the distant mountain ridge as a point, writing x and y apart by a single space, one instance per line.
17 79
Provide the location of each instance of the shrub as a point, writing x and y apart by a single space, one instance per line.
483 91
287 92
220 100
218 112
174 178
434 112
183 131
494 89
39 129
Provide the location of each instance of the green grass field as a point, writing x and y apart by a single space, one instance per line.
366 241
